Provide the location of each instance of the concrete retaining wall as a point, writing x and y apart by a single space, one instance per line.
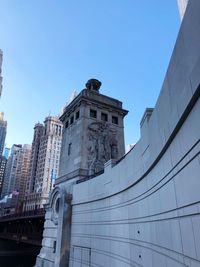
145 211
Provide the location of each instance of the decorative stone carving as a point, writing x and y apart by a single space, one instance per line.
102 146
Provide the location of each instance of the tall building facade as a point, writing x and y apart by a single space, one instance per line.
22 172
10 173
37 137
182 5
44 163
3 129
3 162
1 60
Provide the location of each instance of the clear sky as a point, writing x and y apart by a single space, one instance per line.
52 47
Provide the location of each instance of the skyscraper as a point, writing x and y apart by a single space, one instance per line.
22 171
182 4
45 156
1 60
3 129
3 162
38 132
10 173
16 175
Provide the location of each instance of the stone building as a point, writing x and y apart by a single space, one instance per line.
93 133
144 209
44 164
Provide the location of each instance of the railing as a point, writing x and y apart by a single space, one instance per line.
24 214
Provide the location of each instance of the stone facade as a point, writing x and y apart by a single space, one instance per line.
93 133
144 210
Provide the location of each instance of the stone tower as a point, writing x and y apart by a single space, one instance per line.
93 133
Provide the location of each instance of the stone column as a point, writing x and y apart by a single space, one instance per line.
64 230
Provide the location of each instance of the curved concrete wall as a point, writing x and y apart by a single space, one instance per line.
145 211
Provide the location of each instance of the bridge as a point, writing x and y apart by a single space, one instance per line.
24 227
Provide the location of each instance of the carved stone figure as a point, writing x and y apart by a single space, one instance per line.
102 146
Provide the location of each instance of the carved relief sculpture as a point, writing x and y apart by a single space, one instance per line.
102 146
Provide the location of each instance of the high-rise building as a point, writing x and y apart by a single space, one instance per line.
182 4
38 132
16 175
1 60
22 171
3 129
3 162
44 163
10 172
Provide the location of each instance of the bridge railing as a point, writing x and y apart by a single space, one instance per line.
24 214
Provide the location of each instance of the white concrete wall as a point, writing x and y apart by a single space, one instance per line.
145 211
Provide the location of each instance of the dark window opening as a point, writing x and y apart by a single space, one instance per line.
67 124
104 117
93 113
69 149
71 120
77 115
114 119
54 246
57 205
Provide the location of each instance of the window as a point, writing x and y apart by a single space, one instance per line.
71 120
54 246
104 117
69 149
93 113
77 115
114 119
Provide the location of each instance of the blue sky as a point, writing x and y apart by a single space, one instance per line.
51 48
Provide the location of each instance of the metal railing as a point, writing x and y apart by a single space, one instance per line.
24 214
